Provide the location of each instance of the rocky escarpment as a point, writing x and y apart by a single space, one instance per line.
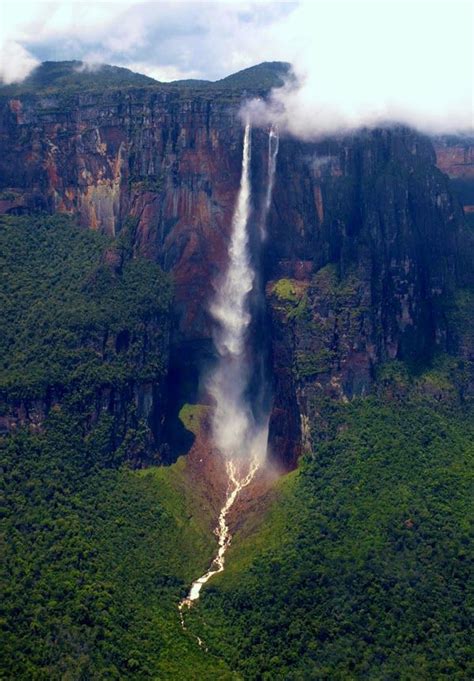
455 157
168 160
163 160
164 164
365 269
366 242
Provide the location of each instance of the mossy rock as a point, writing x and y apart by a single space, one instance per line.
310 364
191 416
326 279
289 290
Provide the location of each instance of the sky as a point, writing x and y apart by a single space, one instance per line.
357 62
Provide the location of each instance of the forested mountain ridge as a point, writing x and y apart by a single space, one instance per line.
117 204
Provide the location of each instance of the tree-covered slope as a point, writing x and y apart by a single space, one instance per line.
52 76
95 561
95 555
357 566
66 293
70 76
83 325
362 566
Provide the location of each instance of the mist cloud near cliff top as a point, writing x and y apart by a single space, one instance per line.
365 63
357 62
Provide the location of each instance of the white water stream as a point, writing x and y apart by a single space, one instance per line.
241 441
237 482
273 145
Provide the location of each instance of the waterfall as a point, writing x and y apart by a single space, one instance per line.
235 432
273 145
240 439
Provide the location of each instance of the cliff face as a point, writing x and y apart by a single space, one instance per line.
369 246
168 162
455 157
365 239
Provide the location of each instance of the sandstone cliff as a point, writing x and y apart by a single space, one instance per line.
366 241
455 157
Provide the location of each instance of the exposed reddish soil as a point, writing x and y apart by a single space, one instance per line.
205 469
253 498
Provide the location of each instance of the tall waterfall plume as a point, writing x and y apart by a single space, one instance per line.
240 437
236 434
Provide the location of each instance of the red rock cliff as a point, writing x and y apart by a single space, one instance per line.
166 164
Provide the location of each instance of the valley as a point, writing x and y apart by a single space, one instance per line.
207 325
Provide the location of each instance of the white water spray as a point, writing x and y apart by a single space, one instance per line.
273 145
232 419
240 440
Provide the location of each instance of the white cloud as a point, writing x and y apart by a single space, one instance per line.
61 30
205 39
164 74
362 63
359 61
15 62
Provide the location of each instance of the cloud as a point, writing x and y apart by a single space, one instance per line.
366 63
173 39
15 62
164 74
357 62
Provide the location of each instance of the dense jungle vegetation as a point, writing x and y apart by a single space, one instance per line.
74 307
96 559
95 554
74 77
363 566
358 565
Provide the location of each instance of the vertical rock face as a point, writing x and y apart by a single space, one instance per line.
169 162
365 240
368 245
162 165
455 157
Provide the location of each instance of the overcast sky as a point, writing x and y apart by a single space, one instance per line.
358 60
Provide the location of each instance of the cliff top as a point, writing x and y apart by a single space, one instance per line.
61 76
